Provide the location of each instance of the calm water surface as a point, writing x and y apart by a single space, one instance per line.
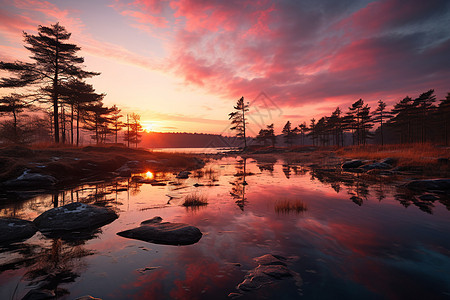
354 241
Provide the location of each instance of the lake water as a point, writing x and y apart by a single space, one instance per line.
354 240
206 150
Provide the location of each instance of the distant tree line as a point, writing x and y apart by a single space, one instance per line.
55 101
419 120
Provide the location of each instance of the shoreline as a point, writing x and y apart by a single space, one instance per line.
46 169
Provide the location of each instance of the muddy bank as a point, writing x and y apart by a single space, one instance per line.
24 168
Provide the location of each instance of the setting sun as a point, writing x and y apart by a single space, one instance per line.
147 126
149 175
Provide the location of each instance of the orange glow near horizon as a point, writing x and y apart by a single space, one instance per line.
149 175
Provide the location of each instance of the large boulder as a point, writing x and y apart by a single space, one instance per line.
158 232
376 166
74 216
270 267
13 230
30 181
441 185
353 164
183 175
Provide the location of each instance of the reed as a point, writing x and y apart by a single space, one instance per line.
286 206
195 200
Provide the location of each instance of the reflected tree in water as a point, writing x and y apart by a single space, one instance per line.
239 184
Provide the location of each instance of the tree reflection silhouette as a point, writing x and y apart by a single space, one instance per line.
239 184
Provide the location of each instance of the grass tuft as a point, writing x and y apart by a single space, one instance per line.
285 206
195 200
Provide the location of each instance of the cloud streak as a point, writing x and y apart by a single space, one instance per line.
303 52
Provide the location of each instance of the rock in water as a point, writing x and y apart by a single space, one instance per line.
13 230
158 232
30 181
74 216
183 175
269 267
441 185
353 164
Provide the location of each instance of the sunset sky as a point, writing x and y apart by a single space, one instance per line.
183 64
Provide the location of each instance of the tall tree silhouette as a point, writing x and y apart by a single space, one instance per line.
444 116
424 106
55 61
402 119
116 124
268 134
13 105
97 120
80 96
289 133
380 115
302 129
134 129
238 120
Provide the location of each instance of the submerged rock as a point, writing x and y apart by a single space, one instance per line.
183 175
39 294
442 185
158 232
352 164
13 230
74 216
389 160
270 267
31 181
377 166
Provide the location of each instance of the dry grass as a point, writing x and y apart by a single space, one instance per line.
413 154
286 206
195 200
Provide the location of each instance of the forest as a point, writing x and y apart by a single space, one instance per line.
419 120
55 103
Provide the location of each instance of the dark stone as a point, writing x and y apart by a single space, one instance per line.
380 172
270 259
376 166
137 178
357 170
31 181
390 161
74 216
158 232
352 164
430 184
158 183
269 267
183 175
411 169
39 295
13 230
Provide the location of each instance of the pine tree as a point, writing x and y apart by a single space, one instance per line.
288 133
238 119
13 105
402 119
380 115
268 134
80 96
133 134
55 61
444 116
424 106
